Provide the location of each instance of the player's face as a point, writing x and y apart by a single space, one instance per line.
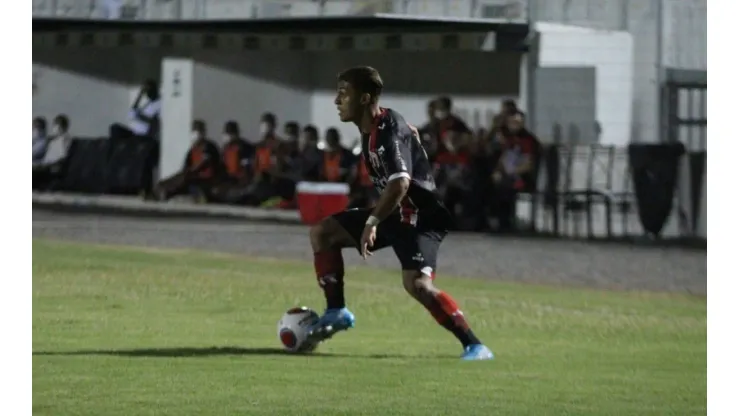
347 102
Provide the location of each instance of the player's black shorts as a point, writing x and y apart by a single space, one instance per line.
415 246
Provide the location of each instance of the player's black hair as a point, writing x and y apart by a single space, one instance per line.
364 79
446 102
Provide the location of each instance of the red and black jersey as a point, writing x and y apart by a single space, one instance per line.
392 151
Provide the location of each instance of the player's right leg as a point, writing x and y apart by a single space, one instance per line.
328 238
417 252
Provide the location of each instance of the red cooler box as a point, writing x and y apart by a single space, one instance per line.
317 200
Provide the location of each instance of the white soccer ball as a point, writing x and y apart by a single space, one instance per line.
293 329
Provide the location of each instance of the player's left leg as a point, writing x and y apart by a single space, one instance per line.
418 255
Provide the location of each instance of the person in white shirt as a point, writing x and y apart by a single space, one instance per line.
144 115
59 140
50 166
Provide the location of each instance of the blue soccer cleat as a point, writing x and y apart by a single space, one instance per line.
476 352
333 321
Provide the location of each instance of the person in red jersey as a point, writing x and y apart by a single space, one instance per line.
409 217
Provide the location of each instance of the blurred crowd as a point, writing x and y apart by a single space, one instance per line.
479 173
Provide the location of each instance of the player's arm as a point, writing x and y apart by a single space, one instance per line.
397 160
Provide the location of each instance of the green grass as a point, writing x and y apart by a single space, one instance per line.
126 331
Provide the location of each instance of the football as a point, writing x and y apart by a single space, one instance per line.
293 329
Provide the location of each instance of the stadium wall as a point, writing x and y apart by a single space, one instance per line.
95 87
610 53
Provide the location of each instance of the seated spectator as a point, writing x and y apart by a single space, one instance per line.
453 175
515 170
274 184
60 131
291 134
49 169
266 150
237 162
144 115
362 191
238 156
200 172
310 158
499 122
450 128
338 161
429 131
39 139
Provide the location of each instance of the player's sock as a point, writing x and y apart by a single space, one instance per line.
329 267
445 310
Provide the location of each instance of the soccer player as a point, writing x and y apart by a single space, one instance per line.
408 216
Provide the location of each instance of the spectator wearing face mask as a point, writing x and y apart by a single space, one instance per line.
450 128
237 161
515 171
238 155
268 146
287 151
452 160
499 122
143 116
291 136
200 172
274 185
39 142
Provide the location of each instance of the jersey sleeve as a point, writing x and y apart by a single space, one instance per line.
394 151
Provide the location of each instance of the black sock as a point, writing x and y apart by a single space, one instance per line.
329 267
465 336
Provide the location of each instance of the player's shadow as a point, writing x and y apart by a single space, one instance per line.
179 352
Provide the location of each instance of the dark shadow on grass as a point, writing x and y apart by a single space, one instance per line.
180 352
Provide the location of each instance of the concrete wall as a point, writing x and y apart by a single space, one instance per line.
667 33
96 86
610 54
94 89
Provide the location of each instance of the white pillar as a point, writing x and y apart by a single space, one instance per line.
177 113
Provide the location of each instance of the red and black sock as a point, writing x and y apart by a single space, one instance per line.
329 267
445 310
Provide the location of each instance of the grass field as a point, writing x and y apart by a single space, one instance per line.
126 331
